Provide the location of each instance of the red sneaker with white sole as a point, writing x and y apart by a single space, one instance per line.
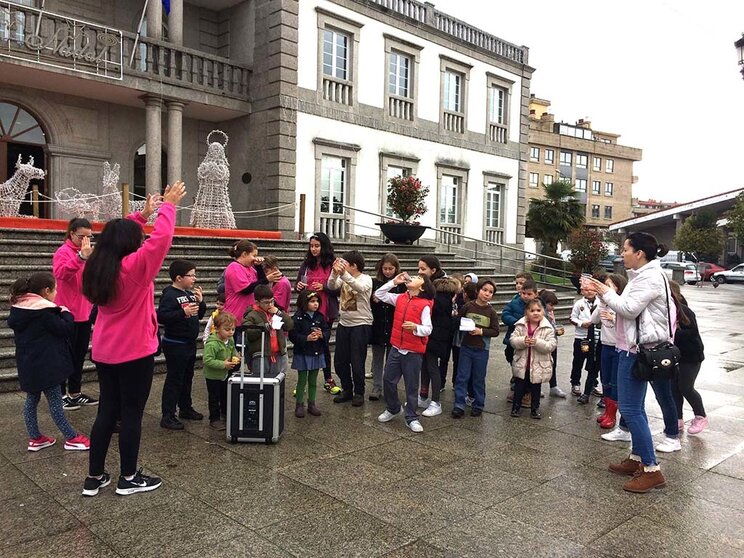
36 444
78 443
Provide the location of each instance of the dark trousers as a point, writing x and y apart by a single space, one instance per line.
444 364
455 366
351 352
430 371
683 386
327 353
522 386
553 379
579 358
217 393
179 361
593 364
408 367
124 390
80 341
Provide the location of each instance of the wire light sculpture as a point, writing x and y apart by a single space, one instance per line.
212 208
13 191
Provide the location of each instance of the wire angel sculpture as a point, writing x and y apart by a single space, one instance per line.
212 208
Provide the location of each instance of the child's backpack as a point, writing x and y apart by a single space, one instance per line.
221 284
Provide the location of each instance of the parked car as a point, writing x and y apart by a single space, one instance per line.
707 269
691 275
608 264
733 275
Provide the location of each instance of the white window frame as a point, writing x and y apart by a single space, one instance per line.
450 68
389 161
461 174
548 179
610 165
495 185
582 160
597 164
330 21
549 156
609 188
348 152
580 184
536 182
535 154
401 107
597 187
566 156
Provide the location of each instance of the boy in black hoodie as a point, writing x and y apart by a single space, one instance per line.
179 311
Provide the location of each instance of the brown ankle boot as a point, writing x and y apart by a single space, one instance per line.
300 410
313 409
627 466
644 481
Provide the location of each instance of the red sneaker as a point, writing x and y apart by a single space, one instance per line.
36 444
78 443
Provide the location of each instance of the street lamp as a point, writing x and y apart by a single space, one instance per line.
740 50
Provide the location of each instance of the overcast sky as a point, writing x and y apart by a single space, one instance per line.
661 73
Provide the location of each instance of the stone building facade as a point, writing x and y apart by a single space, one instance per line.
599 167
326 98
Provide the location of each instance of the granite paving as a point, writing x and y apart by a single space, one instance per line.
344 484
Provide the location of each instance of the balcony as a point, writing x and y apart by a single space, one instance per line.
400 107
117 66
337 90
497 133
453 121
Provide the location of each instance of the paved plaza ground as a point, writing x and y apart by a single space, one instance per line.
345 485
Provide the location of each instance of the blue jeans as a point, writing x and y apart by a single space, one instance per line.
665 399
608 371
473 363
631 399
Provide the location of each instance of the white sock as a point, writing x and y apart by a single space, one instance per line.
651 468
635 457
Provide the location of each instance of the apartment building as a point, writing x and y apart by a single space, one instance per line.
599 167
326 98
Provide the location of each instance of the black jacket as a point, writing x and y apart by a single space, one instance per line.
43 348
171 315
382 315
303 326
687 338
444 324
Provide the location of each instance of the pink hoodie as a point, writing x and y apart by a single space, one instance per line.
68 271
126 328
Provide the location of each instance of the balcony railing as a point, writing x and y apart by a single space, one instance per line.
449 234
337 91
475 36
497 133
409 8
495 235
453 121
400 107
182 66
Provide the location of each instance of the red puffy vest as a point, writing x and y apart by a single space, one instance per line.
408 310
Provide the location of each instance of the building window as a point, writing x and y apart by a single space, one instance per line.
493 219
534 154
609 188
454 94
608 212
402 60
392 165
549 157
597 164
451 191
335 165
547 179
566 158
595 212
448 200
534 179
610 165
339 40
596 187
580 185
581 160
498 108
332 184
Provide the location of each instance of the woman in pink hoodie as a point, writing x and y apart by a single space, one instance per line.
119 278
67 265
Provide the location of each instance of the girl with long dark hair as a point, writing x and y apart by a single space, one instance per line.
119 278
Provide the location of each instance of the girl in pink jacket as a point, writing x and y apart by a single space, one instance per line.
119 277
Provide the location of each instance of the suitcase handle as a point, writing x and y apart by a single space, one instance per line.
261 376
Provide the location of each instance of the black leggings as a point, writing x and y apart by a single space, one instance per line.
124 391
80 341
683 386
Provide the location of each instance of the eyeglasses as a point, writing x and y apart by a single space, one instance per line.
190 275
266 302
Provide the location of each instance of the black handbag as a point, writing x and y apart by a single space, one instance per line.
660 362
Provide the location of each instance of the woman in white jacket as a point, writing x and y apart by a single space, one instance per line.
646 298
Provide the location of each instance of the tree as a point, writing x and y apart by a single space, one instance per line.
700 235
735 217
553 218
587 250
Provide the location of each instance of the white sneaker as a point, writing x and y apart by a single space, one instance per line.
469 401
557 392
617 435
423 403
433 409
415 426
387 416
668 445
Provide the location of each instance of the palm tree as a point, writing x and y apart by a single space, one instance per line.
553 218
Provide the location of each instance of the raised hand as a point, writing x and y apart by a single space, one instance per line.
85 248
174 194
198 294
152 202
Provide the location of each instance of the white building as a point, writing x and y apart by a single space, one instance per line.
326 98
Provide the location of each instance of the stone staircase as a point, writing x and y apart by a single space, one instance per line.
26 251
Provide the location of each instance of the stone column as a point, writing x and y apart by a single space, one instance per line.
155 19
175 135
175 22
153 143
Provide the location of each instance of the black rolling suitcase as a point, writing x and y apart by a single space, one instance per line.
255 404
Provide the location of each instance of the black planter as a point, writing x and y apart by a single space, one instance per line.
400 233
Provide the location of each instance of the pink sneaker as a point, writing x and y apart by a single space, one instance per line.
78 443
36 444
698 425
681 425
